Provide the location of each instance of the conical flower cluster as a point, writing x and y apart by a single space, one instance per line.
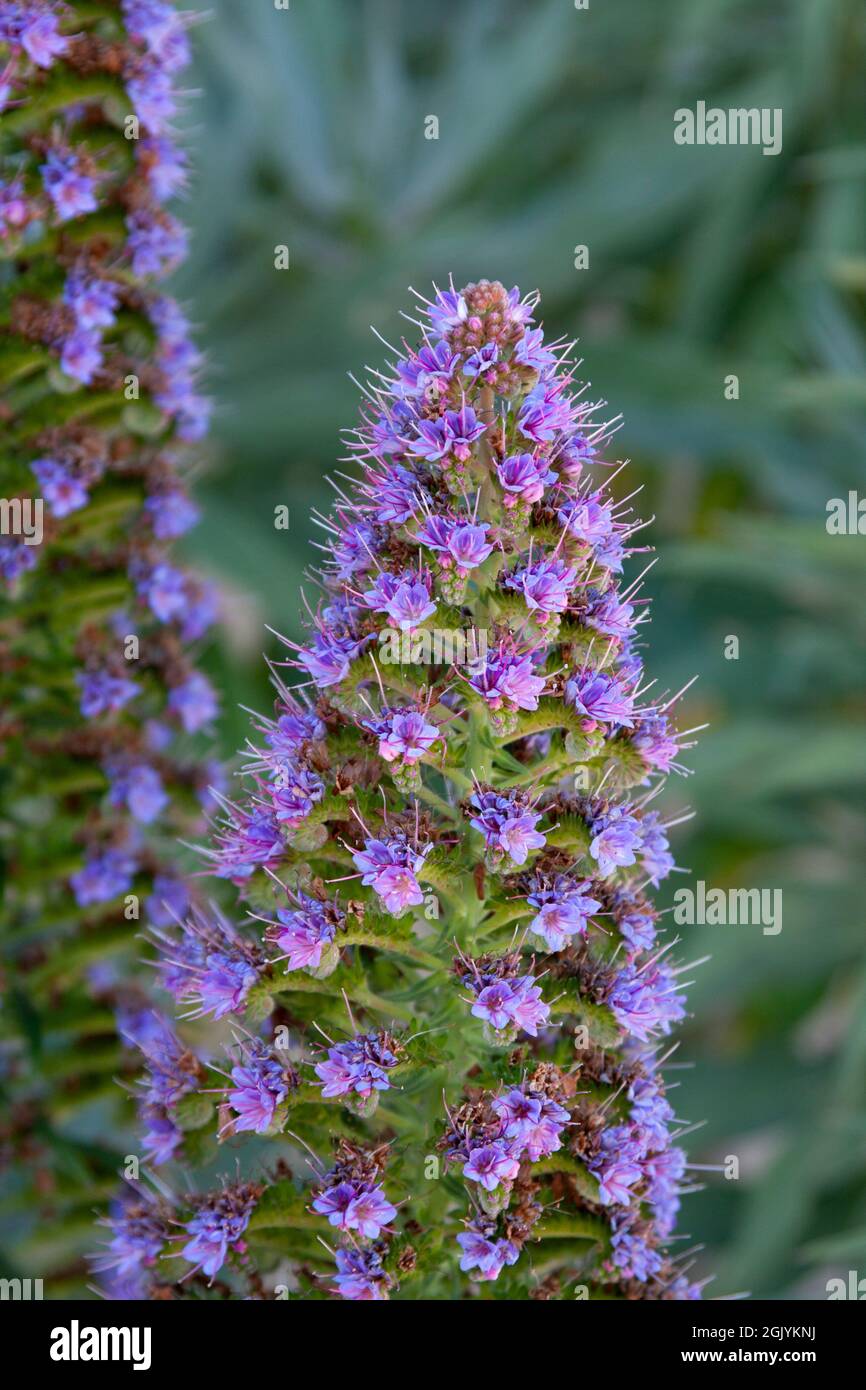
101 698
447 996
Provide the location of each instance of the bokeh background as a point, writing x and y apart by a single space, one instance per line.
556 130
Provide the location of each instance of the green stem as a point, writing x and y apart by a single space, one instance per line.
305 984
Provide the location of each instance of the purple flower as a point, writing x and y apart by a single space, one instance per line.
664 1172
533 1123
208 964
356 1207
616 839
168 902
334 1203
171 512
468 546
655 741
487 1256
140 788
508 679
518 1112
398 889
359 1066
246 839
138 1235
179 362
153 98
389 867
39 37
588 519
435 532
644 1000
406 599
353 550
382 590
222 984
507 823
327 662
369 1211
385 435
524 477
452 434
303 933
650 1111
161 28
616 1178
14 208
513 1003
360 1276
479 363
495 1005
633 1257
608 615
404 735
171 1069
628 662
490 1165
431 366
528 1009
530 351
81 355
294 791
105 875
93 301
563 911
448 311
163 589
518 836
544 586
638 927
158 736
433 441
545 413
71 191
520 309
103 693
63 492
201 610
166 166
167 317
193 702
156 245
395 496
600 699
260 1084
219 1224
655 854
574 453
160 1137
292 728
191 411
545 1137
178 358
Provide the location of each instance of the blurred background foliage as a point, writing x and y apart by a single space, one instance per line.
556 130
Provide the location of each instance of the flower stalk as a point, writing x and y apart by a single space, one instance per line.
445 993
105 715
